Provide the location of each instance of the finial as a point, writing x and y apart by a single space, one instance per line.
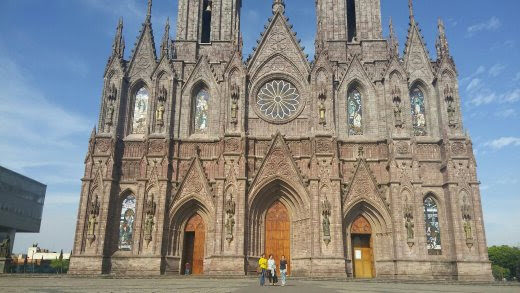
393 43
441 44
149 11
410 7
278 5
165 46
118 47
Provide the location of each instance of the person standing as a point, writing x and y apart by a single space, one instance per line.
187 270
283 269
271 268
262 267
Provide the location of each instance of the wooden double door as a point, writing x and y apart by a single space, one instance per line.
278 234
194 243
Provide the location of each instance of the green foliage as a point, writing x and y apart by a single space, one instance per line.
505 260
60 265
499 273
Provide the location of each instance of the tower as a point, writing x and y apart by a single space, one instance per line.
203 24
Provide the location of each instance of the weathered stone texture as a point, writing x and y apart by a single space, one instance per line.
244 155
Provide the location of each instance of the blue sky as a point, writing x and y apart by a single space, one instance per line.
53 53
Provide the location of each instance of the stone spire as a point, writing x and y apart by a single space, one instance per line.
393 42
149 11
441 44
410 7
165 44
118 48
278 5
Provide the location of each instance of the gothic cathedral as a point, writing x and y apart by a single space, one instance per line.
355 164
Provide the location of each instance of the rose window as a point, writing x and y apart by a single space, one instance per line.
278 100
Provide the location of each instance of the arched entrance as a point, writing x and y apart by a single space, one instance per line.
278 233
362 248
194 240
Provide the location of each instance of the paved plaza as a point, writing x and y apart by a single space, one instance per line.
246 285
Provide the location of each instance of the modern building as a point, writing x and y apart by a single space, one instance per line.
21 204
355 164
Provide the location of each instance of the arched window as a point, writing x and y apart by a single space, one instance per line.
206 21
418 112
126 223
355 113
351 20
140 119
433 232
201 113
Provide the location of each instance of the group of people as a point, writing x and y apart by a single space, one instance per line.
267 268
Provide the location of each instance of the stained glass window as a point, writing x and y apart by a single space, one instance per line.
418 112
126 223
201 111
140 111
355 113
433 232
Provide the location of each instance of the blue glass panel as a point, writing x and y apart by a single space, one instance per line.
355 113
201 111
418 112
433 232
126 224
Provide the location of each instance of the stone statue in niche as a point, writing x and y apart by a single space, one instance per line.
163 94
326 210
160 114
230 218
92 220
448 93
149 219
466 217
112 93
321 108
409 225
5 248
234 104
110 113
398 113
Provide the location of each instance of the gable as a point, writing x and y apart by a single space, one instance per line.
416 57
363 186
144 58
195 185
279 39
278 163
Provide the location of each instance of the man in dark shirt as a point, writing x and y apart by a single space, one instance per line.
283 269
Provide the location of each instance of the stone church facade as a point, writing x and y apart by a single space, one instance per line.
355 164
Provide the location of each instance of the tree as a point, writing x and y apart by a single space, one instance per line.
505 257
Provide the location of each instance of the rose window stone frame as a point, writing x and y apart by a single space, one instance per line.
278 100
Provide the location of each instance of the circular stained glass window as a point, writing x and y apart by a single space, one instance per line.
278 100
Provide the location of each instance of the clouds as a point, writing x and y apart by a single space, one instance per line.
503 142
492 24
496 70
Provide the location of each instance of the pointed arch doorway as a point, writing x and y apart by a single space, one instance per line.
278 234
362 248
194 240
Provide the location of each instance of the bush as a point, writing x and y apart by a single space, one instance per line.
505 258
499 273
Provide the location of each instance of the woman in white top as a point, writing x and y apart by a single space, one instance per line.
271 267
